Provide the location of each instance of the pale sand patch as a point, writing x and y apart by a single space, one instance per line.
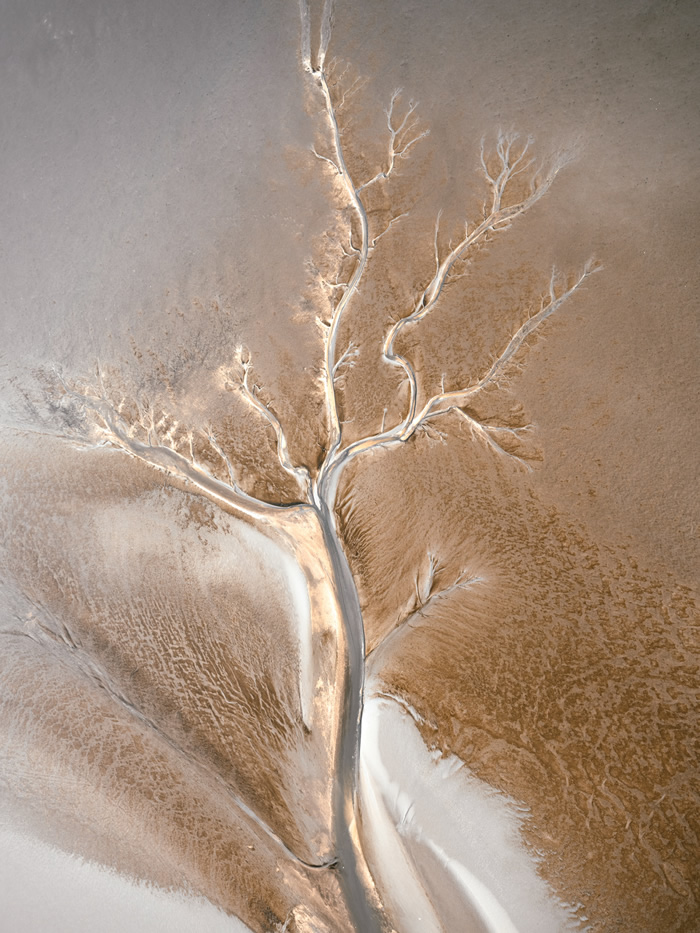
423 812
42 888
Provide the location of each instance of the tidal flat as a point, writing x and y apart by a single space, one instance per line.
349 540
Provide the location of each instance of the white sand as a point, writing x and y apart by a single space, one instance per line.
426 817
44 889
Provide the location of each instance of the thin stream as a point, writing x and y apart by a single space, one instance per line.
363 913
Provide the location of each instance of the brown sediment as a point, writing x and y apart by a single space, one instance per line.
566 678
91 779
151 607
173 648
188 654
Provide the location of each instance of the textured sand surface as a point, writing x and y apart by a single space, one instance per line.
174 675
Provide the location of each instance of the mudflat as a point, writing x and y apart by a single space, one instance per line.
350 537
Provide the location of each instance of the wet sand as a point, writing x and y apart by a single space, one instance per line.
540 610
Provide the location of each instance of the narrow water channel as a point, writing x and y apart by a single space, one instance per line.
351 864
